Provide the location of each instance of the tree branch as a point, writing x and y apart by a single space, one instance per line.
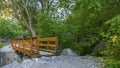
28 15
49 6
19 16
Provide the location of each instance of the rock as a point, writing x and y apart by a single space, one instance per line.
57 62
68 59
27 61
53 57
6 49
7 55
12 65
68 52
46 58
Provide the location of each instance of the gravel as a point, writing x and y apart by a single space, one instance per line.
57 62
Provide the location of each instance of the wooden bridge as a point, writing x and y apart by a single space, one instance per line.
33 46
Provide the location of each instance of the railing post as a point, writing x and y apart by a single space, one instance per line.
23 45
56 44
37 45
18 45
31 52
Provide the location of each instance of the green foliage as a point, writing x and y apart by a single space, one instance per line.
1 45
111 33
81 24
81 30
82 49
90 17
44 26
9 29
111 63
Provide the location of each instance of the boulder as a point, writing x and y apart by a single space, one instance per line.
7 55
68 52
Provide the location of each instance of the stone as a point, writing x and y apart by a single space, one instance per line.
62 62
7 55
68 52
7 48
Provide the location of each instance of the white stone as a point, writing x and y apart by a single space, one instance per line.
68 52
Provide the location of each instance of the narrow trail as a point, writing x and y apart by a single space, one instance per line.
61 61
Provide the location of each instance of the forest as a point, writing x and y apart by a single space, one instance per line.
88 27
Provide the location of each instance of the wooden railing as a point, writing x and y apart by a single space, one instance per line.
33 46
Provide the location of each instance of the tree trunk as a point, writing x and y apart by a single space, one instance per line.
29 25
32 31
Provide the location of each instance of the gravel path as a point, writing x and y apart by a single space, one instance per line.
57 62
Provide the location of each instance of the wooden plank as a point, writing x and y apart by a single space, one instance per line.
46 50
48 39
48 45
31 46
56 45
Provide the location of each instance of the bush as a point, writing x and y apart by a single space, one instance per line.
10 29
111 31
111 63
1 45
82 49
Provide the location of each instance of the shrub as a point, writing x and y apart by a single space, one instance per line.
82 49
1 45
111 31
111 63
10 29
